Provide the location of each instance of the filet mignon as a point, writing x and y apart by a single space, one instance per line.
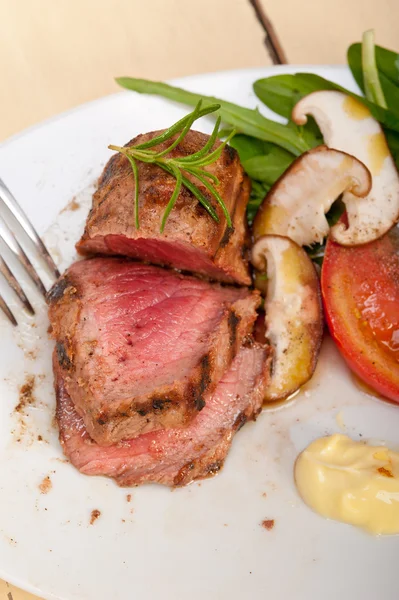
192 240
139 347
172 457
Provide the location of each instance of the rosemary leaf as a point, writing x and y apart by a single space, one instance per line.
208 146
215 155
136 190
213 191
204 173
196 192
192 118
173 198
166 135
177 166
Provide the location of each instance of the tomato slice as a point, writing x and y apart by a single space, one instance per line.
360 288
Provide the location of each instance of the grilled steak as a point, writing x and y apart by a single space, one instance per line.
140 346
192 240
172 457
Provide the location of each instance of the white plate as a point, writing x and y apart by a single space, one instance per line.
204 541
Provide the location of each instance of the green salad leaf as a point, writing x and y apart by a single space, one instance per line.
258 194
281 92
385 65
267 148
387 62
245 120
372 85
262 161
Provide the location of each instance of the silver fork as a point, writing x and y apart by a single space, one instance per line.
15 226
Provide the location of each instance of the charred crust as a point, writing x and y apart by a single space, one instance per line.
214 467
200 404
230 154
154 404
161 403
248 341
244 251
180 478
143 411
62 355
99 218
110 169
233 323
102 419
58 289
185 474
240 421
226 237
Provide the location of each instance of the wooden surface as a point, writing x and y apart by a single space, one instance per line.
56 54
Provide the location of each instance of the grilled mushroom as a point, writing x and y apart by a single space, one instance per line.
296 205
347 125
293 313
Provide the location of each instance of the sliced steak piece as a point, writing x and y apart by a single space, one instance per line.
172 457
192 240
139 346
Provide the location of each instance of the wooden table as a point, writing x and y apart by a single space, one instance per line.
57 54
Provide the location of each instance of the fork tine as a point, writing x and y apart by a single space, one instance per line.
10 241
10 202
7 312
8 275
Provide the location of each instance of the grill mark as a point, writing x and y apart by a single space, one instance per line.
111 169
233 323
158 404
63 358
205 369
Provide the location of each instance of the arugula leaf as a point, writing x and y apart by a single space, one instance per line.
310 132
387 61
372 84
246 120
283 91
391 91
268 167
280 93
248 147
258 194
262 161
393 143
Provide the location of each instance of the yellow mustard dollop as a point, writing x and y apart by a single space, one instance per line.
351 482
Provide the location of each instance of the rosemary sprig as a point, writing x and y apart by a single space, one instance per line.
180 167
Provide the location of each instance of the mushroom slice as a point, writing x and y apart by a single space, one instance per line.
296 205
347 125
293 313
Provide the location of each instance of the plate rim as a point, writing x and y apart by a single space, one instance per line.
50 121
174 81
